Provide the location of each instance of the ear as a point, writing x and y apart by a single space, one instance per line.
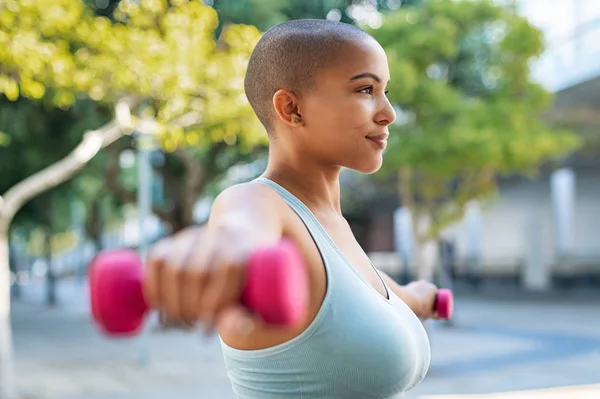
286 106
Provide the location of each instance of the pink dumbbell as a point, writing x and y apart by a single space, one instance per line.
444 303
276 288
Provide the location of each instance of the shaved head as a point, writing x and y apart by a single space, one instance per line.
289 55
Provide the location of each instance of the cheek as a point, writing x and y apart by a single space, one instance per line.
342 114
358 115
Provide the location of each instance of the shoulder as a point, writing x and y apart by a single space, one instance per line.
249 189
250 201
249 194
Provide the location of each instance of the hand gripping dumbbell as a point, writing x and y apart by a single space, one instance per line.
276 288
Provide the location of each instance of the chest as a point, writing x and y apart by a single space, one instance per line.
341 234
381 348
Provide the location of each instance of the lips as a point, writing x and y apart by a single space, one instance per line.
380 140
382 136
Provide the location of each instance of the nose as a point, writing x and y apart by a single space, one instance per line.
386 115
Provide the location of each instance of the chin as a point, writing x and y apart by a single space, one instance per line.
367 168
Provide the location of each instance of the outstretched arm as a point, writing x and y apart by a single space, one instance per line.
418 295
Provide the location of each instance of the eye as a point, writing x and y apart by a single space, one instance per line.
369 90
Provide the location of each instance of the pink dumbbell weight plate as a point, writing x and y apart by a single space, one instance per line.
116 297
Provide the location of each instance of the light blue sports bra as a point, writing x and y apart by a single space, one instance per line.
360 344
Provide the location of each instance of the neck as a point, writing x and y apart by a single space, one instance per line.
312 182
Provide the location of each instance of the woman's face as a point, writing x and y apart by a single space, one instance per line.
346 113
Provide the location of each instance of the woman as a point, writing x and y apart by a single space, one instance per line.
319 88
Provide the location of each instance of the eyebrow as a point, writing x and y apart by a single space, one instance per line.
366 75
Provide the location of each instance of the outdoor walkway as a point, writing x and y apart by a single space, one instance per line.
496 345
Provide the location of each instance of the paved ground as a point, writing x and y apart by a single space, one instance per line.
496 345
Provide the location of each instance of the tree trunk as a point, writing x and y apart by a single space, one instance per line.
182 214
10 204
58 172
125 195
7 379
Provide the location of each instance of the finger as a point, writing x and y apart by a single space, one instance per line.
202 306
224 288
196 275
228 285
195 247
192 283
169 290
154 266
170 287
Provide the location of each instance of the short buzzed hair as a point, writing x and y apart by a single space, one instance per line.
287 57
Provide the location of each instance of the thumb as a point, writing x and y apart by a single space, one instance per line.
237 320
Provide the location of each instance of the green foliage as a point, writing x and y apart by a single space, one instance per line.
162 53
261 13
468 108
41 135
266 13
460 75
165 57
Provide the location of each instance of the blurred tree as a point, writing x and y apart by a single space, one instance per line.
468 109
261 13
41 135
99 206
35 125
160 70
266 13
186 172
104 8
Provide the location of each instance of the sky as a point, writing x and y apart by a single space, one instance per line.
558 18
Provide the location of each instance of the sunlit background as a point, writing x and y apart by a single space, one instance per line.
121 120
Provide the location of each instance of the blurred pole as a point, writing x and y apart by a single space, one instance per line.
144 192
474 224
536 274
403 242
562 185
17 250
78 212
145 145
445 278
